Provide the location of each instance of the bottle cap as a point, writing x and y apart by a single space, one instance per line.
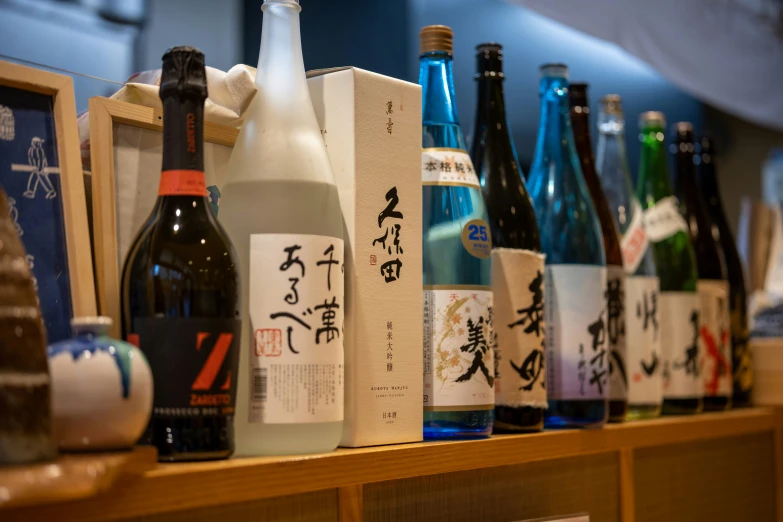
556 70
577 94
436 38
683 131
489 60
183 73
652 118
612 104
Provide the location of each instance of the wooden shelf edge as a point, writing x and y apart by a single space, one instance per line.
175 487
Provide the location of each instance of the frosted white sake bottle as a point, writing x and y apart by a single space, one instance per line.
280 207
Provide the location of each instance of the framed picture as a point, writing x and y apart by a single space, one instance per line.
126 146
41 172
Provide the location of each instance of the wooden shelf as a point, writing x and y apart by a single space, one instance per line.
71 477
177 487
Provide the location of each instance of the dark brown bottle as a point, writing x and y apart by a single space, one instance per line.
180 286
615 275
713 287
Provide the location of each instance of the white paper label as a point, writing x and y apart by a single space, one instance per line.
615 332
715 337
664 220
441 166
635 241
680 345
296 314
518 288
459 349
576 349
643 340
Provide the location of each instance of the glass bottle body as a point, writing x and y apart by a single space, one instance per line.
615 290
520 399
280 185
676 265
742 366
644 370
571 239
448 266
712 285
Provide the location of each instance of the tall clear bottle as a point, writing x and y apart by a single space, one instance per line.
713 287
742 365
676 265
577 358
642 286
517 261
615 276
459 396
280 207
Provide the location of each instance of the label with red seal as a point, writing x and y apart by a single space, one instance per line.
182 183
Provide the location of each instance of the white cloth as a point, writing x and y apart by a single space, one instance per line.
727 53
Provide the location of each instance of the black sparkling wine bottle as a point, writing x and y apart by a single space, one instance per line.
741 358
180 300
517 263
713 285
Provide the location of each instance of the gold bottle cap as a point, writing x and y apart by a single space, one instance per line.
436 38
612 104
652 118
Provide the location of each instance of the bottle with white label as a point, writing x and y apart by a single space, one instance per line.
281 209
644 363
459 395
615 276
713 286
576 315
517 261
676 265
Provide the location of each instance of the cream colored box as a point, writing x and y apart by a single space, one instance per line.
372 128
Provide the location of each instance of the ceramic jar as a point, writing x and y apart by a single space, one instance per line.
101 389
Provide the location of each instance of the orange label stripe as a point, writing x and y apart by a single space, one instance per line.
182 183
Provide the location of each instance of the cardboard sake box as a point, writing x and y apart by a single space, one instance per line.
372 128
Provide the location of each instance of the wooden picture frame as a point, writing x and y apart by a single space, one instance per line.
105 113
38 206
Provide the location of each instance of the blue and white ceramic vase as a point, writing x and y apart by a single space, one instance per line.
101 389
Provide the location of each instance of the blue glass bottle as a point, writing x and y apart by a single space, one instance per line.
577 359
458 337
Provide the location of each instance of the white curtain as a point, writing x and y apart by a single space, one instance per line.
728 53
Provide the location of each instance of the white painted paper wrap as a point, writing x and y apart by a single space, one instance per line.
715 337
288 387
615 332
575 305
634 242
644 360
443 166
679 340
664 219
458 348
518 287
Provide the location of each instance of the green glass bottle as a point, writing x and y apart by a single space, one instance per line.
676 264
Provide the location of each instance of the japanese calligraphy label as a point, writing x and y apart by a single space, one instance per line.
576 338
615 332
296 314
664 220
680 345
518 288
389 246
714 336
442 166
458 348
194 363
635 241
643 340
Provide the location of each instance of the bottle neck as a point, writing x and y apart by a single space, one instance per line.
439 103
580 122
491 109
653 172
281 72
685 171
611 164
183 134
708 182
555 140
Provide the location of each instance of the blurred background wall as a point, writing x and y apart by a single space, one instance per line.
111 39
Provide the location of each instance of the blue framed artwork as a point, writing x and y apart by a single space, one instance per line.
40 171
